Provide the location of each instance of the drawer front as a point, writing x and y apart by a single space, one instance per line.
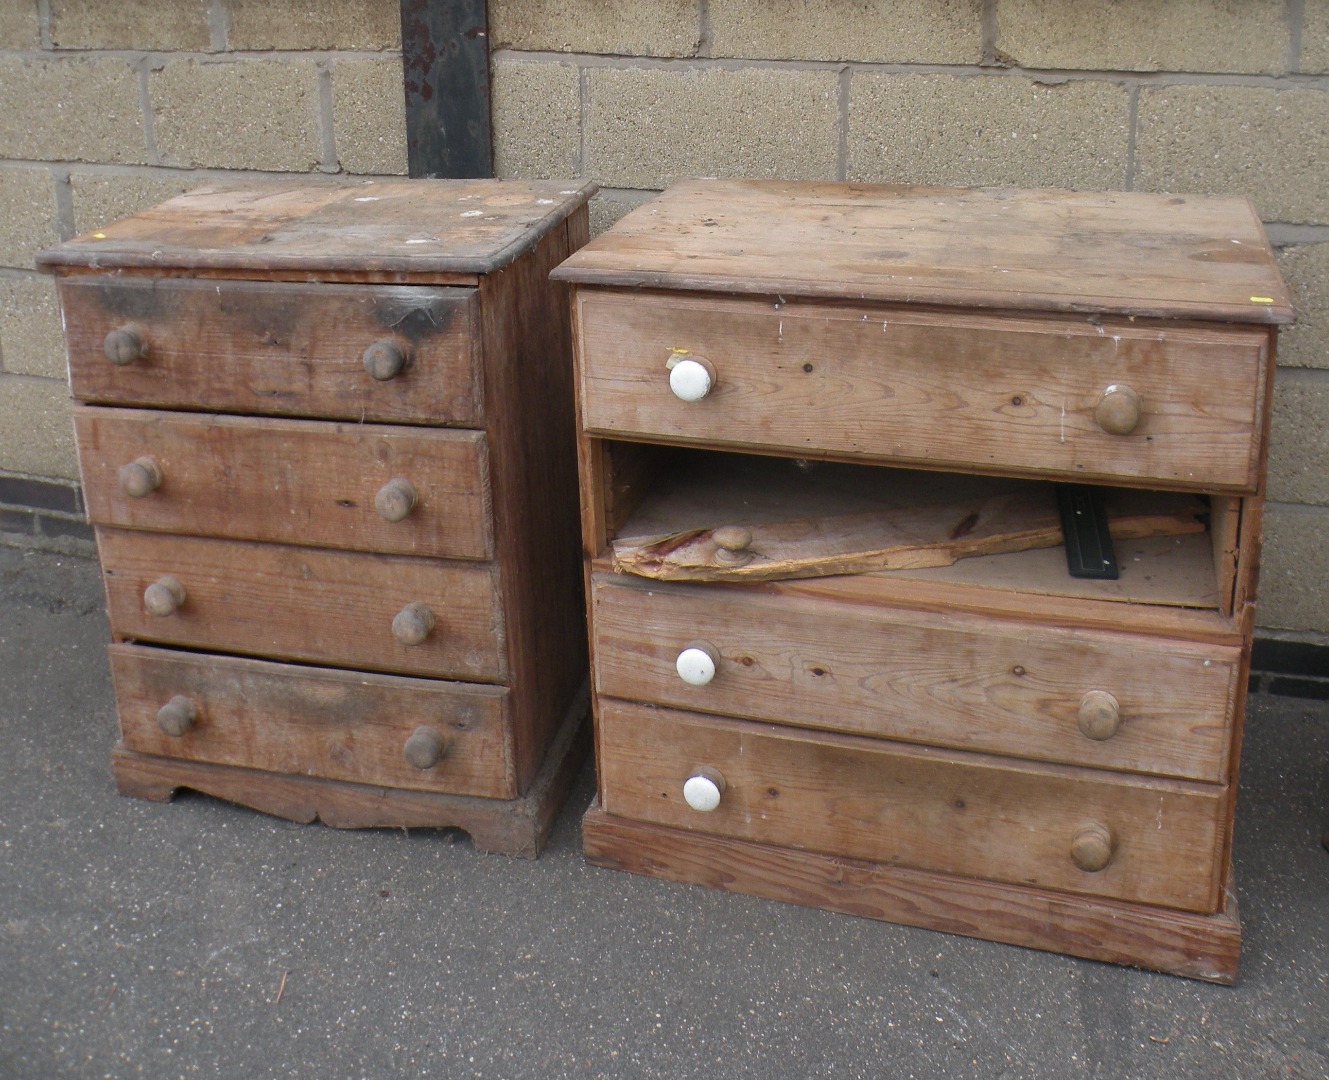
955 813
340 725
288 481
291 603
957 680
275 347
952 391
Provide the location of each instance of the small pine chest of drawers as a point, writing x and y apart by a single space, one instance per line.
837 654
325 437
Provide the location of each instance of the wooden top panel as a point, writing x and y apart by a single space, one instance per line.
363 226
1191 256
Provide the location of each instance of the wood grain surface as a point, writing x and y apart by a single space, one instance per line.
358 226
289 481
941 678
342 725
969 814
1130 253
1197 946
941 390
517 827
276 348
292 603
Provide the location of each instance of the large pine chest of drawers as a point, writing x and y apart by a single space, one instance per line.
325 435
837 654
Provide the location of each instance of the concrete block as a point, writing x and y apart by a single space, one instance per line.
130 24
102 198
18 26
1294 569
1270 145
648 127
27 215
238 114
536 116
369 115
884 31
1315 37
306 24
1299 438
988 129
1306 269
607 207
1249 36
70 109
30 338
36 433
618 27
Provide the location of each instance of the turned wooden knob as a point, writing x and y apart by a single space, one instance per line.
425 748
125 344
1118 410
163 597
413 623
1099 715
697 663
385 359
177 716
690 377
140 477
702 790
731 545
395 499
1091 848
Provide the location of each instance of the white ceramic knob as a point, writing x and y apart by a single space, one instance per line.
696 664
703 789
690 380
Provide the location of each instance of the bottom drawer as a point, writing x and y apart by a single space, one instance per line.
1158 841
339 725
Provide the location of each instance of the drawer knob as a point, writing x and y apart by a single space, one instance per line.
413 623
177 716
697 663
163 597
395 499
1091 848
385 360
124 345
690 378
1099 716
702 790
140 477
731 545
425 748
1118 410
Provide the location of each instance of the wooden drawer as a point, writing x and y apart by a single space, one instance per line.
341 725
288 481
935 810
276 347
942 390
292 603
947 679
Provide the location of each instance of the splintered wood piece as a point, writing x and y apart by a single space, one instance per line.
907 538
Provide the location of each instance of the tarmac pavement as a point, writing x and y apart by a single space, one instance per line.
199 939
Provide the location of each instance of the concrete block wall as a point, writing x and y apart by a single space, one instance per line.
107 108
1227 96
111 107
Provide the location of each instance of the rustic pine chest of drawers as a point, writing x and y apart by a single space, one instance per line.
837 655
325 435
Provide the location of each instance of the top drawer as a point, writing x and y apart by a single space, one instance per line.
278 348
1161 404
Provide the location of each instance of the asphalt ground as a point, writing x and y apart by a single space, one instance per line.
201 939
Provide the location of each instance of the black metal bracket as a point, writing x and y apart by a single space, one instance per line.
445 57
1084 524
